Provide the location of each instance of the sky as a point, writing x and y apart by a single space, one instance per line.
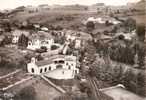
10 4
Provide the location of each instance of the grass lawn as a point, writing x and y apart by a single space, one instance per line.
5 71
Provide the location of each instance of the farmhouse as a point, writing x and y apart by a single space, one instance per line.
56 62
36 41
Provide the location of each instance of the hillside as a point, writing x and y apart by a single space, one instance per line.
64 18
141 5
70 7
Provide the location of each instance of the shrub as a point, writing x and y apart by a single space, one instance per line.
42 49
54 47
140 30
90 25
27 93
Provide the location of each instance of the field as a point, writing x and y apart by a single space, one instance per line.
65 19
42 89
12 79
10 59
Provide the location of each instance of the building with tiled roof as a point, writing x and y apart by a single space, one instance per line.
56 62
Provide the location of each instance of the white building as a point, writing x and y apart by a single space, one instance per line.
78 43
37 26
36 41
102 20
56 62
44 29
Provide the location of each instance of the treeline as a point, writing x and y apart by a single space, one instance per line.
114 75
125 54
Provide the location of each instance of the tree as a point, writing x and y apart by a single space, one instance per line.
59 39
23 41
114 30
42 49
6 41
130 24
141 82
90 26
7 27
90 52
140 30
58 28
54 47
121 37
107 23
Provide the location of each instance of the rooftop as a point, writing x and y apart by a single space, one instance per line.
41 35
79 34
51 58
20 32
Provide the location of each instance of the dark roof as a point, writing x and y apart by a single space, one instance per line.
41 35
43 62
51 58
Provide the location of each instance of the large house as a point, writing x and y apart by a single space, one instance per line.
36 41
17 33
55 62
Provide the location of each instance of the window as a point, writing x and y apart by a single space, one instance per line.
42 42
61 61
49 68
55 62
69 67
32 70
41 70
45 69
76 71
29 43
47 42
66 63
